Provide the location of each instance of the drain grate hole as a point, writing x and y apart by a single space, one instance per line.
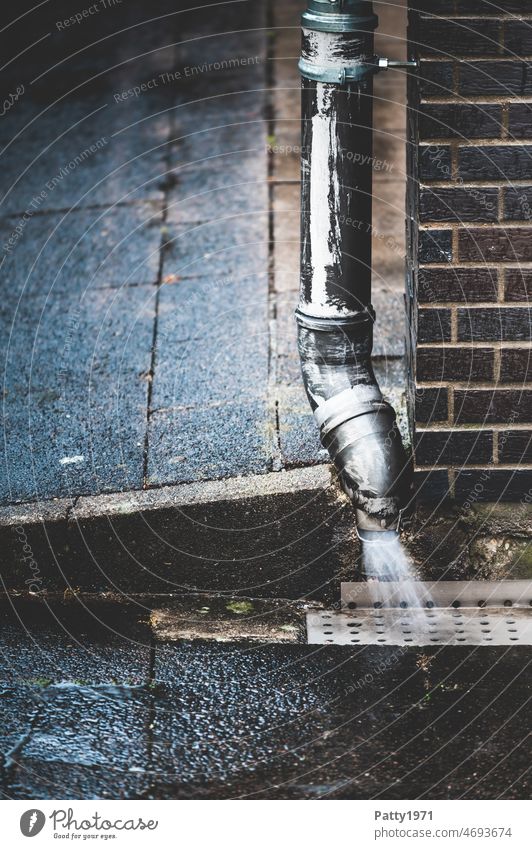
508 603
429 604
404 605
352 605
455 604
482 603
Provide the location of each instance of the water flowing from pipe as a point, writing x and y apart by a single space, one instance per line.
386 560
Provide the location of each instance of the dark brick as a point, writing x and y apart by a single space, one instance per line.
518 203
498 162
516 365
518 38
518 284
510 324
433 325
500 78
492 485
515 446
435 246
459 364
520 121
458 205
474 37
496 244
457 285
431 487
435 79
491 406
457 120
434 162
431 405
438 448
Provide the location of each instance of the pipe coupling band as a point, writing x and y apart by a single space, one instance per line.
338 75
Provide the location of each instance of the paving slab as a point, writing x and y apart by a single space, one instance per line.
89 710
217 251
85 743
223 440
278 722
221 619
75 703
92 152
84 641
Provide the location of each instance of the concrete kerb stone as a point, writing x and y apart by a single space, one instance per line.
287 534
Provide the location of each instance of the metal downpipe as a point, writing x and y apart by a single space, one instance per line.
335 317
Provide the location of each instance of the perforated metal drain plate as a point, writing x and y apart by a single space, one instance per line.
458 613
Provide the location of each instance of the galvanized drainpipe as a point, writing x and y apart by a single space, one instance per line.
335 317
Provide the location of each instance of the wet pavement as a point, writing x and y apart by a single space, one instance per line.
149 265
150 240
94 707
137 265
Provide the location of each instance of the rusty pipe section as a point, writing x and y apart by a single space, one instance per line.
335 316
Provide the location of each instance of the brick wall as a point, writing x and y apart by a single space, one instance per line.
470 247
